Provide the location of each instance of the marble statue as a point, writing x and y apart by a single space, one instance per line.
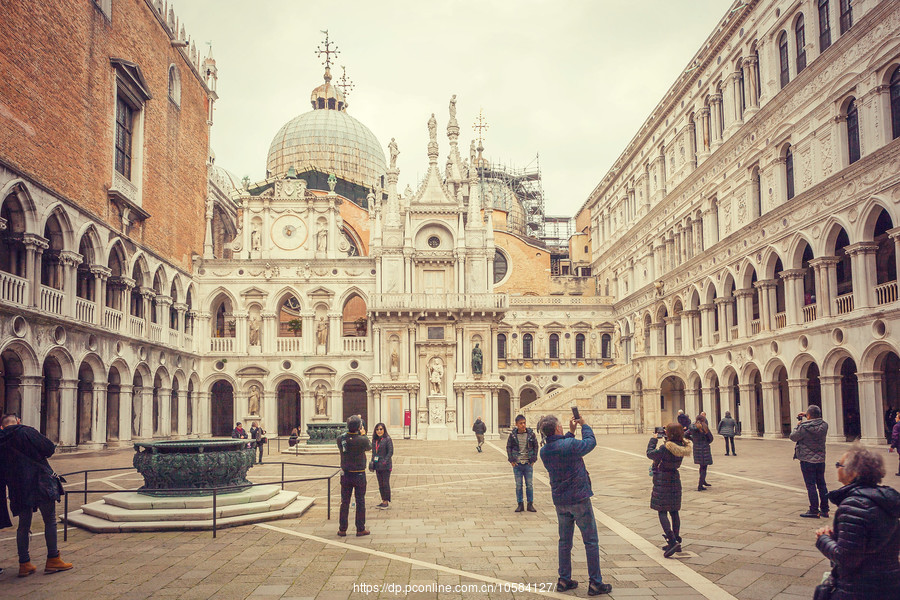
392 148
322 332
395 361
254 331
321 400
436 375
322 238
254 239
254 400
432 128
477 359
453 107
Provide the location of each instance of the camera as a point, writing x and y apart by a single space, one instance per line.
800 417
659 431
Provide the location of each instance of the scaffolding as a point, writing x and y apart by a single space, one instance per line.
525 186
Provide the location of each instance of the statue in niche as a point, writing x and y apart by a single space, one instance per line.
322 332
254 399
254 239
322 237
395 152
477 359
395 361
432 128
436 375
617 340
593 346
321 400
254 331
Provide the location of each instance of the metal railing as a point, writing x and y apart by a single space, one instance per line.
215 490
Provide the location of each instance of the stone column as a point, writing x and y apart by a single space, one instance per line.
709 394
98 413
705 142
34 249
68 404
656 331
335 333
737 110
147 410
720 304
771 410
69 262
202 414
182 413
125 392
31 400
748 411
763 288
687 331
691 402
101 275
862 258
165 412
744 299
894 234
670 334
241 332
717 125
870 403
147 294
726 401
831 411
826 280
793 295
706 316
799 397
309 331
750 83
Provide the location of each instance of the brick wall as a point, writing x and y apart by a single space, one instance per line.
57 110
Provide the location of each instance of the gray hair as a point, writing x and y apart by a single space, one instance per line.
548 425
814 411
865 466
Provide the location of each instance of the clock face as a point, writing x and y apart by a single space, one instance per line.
289 232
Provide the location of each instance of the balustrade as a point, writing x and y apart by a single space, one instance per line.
754 326
112 318
734 332
886 292
294 345
222 344
715 337
173 337
13 288
809 313
136 326
354 344
51 300
844 304
84 310
780 320
155 332
440 301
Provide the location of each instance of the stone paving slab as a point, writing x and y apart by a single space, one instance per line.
451 523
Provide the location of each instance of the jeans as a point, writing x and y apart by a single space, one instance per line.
384 485
260 445
23 534
729 438
581 514
350 483
524 471
814 478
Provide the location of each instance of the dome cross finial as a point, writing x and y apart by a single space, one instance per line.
328 50
345 83
480 125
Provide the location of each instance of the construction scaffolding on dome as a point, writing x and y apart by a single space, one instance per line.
519 192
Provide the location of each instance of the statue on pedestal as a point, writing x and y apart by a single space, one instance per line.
395 361
322 332
254 400
477 360
254 331
322 238
254 239
321 400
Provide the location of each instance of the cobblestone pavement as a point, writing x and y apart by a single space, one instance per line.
452 522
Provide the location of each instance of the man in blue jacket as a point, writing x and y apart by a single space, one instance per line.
571 489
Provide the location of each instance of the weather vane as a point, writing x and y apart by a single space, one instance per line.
327 51
345 83
480 125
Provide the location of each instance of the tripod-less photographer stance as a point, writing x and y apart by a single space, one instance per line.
666 496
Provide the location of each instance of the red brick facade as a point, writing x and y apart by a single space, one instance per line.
57 114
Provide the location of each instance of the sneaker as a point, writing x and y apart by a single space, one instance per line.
672 550
363 532
563 585
810 514
342 533
383 506
602 588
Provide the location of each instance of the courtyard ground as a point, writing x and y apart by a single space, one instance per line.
451 523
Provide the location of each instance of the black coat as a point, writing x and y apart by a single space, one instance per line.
702 451
666 493
23 456
382 451
531 444
863 548
479 427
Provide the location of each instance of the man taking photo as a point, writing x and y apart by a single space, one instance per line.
571 489
810 451
353 445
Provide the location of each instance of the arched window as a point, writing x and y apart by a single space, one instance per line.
800 36
84 282
579 345
756 191
174 85
137 301
173 313
51 267
783 59
757 77
824 25
605 345
895 104
12 250
501 346
290 323
789 172
554 345
846 16
852 132
356 324
527 345
223 326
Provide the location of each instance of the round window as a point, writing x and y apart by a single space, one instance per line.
501 266
434 241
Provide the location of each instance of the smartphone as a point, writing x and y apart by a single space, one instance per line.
575 413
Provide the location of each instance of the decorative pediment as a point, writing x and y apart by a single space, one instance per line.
554 325
321 293
253 372
581 325
529 325
132 79
319 371
254 293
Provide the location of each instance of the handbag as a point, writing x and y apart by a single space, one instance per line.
825 589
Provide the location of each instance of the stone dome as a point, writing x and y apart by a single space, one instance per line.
328 140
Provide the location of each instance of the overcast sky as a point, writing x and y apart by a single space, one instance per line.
571 80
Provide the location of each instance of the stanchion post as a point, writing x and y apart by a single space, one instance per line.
329 498
66 518
282 476
85 487
215 511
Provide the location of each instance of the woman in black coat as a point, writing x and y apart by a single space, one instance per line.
666 495
701 437
865 539
382 451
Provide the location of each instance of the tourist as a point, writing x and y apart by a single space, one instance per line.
382 451
810 451
522 453
32 486
683 420
570 486
353 445
4 511
479 428
727 428
863 543
895 438
238 432
294 437
665 498
701 437
258 435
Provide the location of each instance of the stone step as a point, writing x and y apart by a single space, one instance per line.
304 449
111 512
169 521
136 501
